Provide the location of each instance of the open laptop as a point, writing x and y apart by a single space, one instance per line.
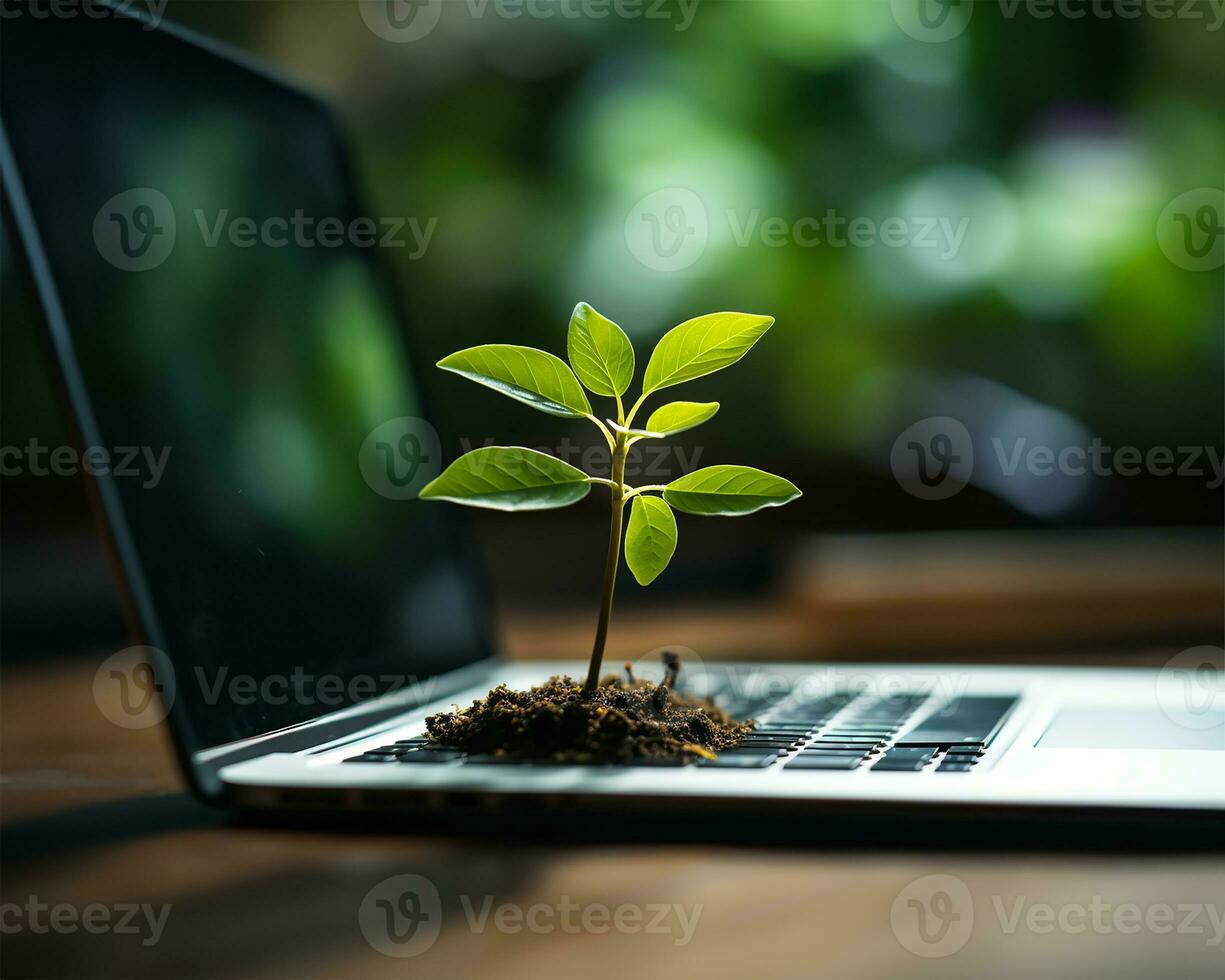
302 626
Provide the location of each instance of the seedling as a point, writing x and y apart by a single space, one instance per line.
602 358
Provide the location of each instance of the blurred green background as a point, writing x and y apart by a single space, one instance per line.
531 132
552 140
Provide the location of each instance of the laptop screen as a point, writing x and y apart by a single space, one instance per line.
246 371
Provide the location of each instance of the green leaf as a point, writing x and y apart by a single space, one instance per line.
729 491
651 539
702 346
509 478
532 376
668 420
601 354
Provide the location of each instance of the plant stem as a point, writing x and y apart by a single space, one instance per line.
614 560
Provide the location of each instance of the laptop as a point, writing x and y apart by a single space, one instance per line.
297 626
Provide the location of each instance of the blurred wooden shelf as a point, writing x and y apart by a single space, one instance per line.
1098 597
1013 590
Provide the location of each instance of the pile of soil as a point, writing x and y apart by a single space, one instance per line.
621 720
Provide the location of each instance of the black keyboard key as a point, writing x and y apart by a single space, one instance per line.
795 733
820 746
432 757
954 767
859 751
859 730
823 760
784 728
774 733
812 710
904 760
970 721
373 758
837 737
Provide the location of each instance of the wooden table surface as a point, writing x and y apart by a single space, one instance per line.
93 815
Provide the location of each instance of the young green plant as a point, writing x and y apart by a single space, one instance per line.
602 358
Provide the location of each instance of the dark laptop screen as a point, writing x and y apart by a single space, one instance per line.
247 351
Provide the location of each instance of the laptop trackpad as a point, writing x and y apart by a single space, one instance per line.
1132 728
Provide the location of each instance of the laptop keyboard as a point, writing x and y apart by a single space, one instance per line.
839 732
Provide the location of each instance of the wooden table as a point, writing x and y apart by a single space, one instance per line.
93 815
